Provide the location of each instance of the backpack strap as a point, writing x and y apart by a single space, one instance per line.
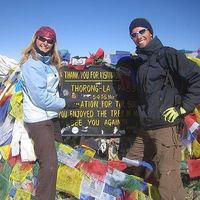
165 64
168 78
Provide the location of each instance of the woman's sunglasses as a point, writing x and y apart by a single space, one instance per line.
140 32
49 41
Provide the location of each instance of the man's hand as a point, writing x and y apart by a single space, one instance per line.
172 113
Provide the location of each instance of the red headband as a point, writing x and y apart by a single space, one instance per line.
46 31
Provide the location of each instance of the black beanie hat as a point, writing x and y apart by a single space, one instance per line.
140 22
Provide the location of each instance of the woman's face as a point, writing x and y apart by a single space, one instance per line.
141 36
44 44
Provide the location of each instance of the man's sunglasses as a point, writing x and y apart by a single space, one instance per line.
140 32
49 41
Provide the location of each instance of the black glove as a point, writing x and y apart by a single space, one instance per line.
71 104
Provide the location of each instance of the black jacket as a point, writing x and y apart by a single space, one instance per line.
154 98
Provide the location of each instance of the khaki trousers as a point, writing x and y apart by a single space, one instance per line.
161 147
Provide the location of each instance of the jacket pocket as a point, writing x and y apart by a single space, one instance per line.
169 98
154 105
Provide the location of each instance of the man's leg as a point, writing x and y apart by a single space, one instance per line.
141 149
168 161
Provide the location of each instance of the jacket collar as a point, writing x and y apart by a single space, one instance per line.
153 47
44 59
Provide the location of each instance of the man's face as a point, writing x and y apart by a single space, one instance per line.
141 36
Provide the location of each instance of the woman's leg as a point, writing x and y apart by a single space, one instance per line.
42 134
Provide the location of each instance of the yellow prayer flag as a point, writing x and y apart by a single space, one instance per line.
88 151
65 148
5 151
196 149
22 195
196 60
69 180
19 173
16 104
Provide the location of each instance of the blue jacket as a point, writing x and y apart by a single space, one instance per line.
40 88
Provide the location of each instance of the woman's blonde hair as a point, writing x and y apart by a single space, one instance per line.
30 51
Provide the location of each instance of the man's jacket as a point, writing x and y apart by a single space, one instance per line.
156 93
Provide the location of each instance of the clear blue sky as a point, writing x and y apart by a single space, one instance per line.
83 26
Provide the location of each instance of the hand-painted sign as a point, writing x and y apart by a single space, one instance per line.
104 108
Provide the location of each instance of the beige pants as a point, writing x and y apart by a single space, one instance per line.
163 148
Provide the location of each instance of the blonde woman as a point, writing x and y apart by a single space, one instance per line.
39 67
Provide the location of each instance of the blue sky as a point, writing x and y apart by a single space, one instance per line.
83 26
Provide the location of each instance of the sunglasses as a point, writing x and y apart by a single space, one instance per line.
140 32
49 41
